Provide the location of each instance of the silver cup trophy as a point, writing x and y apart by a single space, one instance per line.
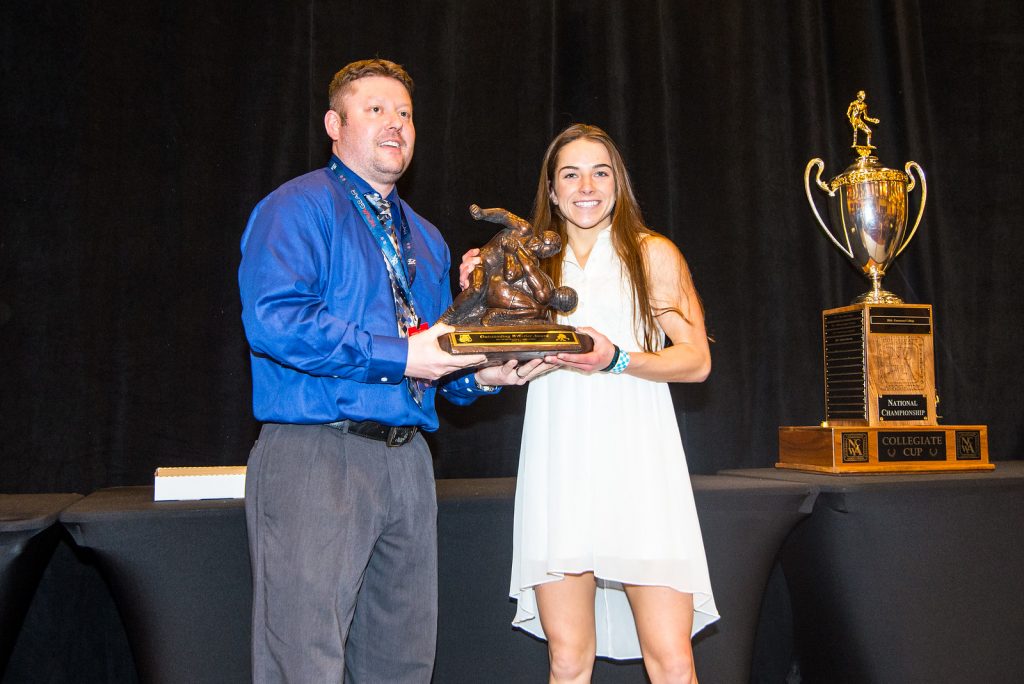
878 353
868 206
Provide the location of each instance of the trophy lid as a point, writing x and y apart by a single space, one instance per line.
864 169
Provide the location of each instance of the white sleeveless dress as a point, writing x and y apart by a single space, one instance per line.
603 484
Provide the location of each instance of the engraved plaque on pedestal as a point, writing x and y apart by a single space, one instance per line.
879 365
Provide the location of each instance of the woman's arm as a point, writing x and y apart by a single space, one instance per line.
671 291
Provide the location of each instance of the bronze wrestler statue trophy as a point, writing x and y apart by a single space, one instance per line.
506 311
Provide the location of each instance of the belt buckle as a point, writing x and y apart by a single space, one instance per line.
399 435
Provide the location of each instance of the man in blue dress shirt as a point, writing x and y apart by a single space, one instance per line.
339 278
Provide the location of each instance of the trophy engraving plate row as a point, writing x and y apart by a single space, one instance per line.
879 359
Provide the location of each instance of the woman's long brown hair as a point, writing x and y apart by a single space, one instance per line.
628 227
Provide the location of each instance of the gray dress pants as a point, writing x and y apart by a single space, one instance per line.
343 540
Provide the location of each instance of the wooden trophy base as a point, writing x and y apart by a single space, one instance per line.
501 343
854 450
880 400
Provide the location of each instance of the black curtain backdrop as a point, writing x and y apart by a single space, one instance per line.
137 136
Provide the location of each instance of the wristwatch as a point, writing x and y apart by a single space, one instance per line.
484 388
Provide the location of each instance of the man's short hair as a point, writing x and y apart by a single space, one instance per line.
343 80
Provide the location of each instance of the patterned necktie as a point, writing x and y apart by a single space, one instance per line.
383 209
405 314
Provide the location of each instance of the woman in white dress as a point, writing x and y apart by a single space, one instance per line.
608 558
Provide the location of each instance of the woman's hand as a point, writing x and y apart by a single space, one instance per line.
594 360
470 260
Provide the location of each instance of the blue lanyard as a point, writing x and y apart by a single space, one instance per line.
394 262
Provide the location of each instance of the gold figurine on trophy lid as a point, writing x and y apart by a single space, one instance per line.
857 113
868 206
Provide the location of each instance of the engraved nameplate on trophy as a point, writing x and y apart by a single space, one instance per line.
879 359
516 341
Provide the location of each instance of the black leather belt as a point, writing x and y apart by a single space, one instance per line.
392 435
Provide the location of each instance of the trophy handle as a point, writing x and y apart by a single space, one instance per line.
810 200
924 197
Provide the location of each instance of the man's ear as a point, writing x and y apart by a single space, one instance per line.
333 124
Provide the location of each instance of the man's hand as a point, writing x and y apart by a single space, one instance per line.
427 361
511 373
470 260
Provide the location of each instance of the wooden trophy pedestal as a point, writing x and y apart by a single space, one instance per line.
854 450
880 400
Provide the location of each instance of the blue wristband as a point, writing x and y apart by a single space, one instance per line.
611 364
620 363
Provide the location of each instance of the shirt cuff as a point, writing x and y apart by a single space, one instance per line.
467 386
390 356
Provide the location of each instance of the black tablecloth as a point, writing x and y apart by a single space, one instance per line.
908 578
179 573
27 539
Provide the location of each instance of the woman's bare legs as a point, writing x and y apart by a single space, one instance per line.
664 620
567 615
